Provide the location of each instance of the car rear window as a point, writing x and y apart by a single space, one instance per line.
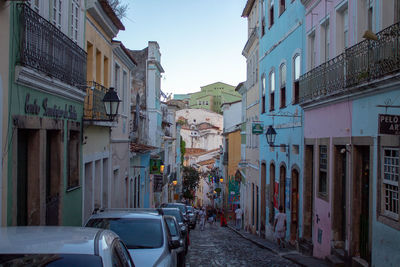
182 207
50 260
173 212
136 233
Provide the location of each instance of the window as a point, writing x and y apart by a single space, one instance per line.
282 79
325 41
272 91
271 13
57 4
73 159
296 70
263 86
74 20
313 52
263 18
124 90
390 182
116 77
345 28
323 171
200 102
282 6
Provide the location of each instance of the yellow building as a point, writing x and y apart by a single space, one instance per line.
232 185
100 190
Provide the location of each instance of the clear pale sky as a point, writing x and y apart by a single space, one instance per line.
201 41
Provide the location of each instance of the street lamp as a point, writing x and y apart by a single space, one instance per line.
111 103
174 182
271 135
221 180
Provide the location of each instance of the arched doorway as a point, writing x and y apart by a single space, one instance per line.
295 205
263 200
272 193
282 185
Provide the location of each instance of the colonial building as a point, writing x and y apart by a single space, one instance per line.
102 187
212 96
250 163
47 74
146 129
281 34
123 66
4 72
350 97
234 179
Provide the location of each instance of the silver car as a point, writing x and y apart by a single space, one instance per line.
61 246
144 232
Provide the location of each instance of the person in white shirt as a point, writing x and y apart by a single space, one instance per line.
202 215
239 213
280 227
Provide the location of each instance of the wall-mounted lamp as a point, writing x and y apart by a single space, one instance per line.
174 182
161 168
111 103
221 180
271 135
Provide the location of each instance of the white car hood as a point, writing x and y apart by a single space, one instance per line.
145 257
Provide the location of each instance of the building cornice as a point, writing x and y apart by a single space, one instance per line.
34 79
247 8
249 44
118 50
95 9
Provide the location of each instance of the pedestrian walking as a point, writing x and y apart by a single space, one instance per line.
202 215
280 227
239 213
223 219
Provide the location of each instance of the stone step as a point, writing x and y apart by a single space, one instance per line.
359 262
340 253
306 247
335 261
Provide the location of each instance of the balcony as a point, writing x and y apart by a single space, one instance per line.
45 48
94 109
364 63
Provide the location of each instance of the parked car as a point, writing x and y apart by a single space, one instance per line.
180 206
144 232
184 227
176 234
61 246
191 216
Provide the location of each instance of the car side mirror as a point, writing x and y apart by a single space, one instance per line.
174 244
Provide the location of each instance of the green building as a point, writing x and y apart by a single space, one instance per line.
47 77
212 96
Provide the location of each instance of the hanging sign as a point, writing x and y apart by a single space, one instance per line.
389 124
257 127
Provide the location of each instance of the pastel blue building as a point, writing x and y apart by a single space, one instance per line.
281 63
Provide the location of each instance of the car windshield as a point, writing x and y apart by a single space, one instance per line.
136 233
50 260
182 207
174 212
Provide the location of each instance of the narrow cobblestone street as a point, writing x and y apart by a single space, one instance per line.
220 246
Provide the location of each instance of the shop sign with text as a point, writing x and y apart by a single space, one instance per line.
57 112
258 127
389 124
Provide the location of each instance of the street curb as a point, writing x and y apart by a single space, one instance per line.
268 248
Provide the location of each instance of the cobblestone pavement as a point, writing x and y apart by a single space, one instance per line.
219 246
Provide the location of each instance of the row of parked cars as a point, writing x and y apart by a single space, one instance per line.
111 237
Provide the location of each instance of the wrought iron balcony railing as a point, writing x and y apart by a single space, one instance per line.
94 108
45 48
364 62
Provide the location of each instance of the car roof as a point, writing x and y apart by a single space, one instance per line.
52 239
128 214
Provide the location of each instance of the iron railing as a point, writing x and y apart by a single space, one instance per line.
45 48
364 62
94 108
